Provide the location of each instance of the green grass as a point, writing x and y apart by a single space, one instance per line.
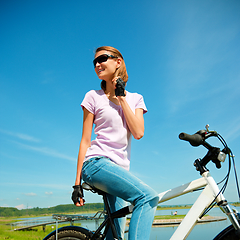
35 234
169 217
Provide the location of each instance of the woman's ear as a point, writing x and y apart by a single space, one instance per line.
119 61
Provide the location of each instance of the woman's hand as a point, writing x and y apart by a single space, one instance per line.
135 119
80 203
77 195
120 88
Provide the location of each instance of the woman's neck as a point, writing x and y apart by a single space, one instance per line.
109 91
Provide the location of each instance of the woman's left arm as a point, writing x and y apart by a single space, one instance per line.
135 121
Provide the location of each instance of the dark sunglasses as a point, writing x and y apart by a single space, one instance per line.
102 58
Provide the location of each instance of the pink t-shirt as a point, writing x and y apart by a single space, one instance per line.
113 137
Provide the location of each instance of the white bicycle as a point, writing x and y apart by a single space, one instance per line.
210 196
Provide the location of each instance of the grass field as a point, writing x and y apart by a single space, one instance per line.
163 217
7 233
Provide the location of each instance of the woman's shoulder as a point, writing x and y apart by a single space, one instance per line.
94 93
137 100
91 98
134 95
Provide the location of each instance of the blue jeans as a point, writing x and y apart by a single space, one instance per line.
107 176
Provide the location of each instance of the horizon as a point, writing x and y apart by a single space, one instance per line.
159 206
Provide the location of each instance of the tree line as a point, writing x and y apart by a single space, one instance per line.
68 209
59 209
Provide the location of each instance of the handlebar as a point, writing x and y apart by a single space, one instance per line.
214 153
194 139
197 138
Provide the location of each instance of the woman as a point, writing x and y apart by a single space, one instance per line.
104 162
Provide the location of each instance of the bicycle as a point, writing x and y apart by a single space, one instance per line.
210 196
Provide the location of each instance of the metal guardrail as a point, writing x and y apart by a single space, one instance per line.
57 218
66 217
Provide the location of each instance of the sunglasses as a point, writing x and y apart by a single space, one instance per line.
102 58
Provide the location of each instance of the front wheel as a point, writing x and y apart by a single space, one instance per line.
70 233
228 233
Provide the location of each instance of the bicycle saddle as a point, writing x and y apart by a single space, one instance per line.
88 187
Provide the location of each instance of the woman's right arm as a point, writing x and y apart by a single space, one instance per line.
84 145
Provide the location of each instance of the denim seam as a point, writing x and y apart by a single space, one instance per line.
140 191
140 214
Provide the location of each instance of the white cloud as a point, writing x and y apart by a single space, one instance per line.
233 129
47 151
20 136
49 186
4 205
20 207
48 193
30 194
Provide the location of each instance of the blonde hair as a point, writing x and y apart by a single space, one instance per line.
121 71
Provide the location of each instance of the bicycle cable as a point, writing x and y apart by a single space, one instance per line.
226 178
231 157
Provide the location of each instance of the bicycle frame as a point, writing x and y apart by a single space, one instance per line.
208 195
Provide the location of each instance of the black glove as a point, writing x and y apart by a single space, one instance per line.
120 88
77 193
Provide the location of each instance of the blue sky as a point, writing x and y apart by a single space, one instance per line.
182 56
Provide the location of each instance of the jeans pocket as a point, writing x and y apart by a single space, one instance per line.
87 169
93 166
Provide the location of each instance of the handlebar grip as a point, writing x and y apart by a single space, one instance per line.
194 139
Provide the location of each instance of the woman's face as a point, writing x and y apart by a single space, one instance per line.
106 70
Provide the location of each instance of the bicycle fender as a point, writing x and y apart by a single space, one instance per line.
76 228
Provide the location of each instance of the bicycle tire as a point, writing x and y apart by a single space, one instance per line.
228 233
70 233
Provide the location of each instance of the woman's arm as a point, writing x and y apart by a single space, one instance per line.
84 145
135 121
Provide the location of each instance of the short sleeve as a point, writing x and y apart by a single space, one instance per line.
89 102
140 103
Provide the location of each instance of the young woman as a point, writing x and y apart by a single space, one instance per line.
104 162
